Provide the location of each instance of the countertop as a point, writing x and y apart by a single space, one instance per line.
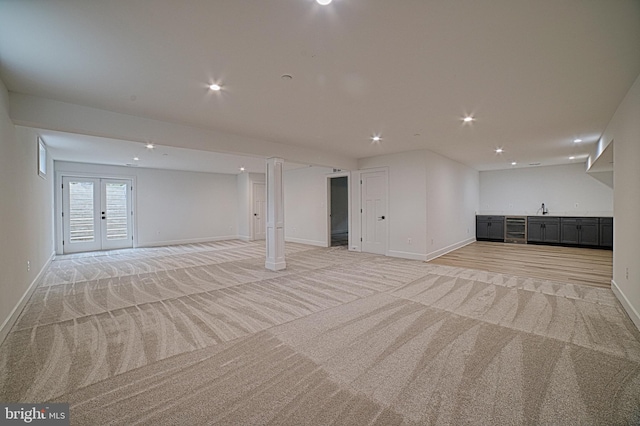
550 214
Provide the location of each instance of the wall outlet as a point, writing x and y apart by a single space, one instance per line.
408 240
29 268
576 205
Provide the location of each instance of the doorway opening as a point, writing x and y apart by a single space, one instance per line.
339 211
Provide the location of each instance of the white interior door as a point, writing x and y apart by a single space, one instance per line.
97 214
259 211
374 212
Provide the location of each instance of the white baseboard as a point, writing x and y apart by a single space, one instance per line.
452 247
626 304
425 257
407 255
244 238
17 310
307 242
188 241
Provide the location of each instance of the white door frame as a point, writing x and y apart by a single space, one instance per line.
362 172
329 177
58 207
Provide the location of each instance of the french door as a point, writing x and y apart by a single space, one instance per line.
97 214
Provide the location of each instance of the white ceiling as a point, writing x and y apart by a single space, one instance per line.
535 74
92 149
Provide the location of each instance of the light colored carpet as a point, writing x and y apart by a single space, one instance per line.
203 334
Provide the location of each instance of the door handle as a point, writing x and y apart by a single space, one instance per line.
381 218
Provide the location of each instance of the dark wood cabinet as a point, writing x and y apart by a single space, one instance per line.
606 232
580 231
566 231
543 229
490 228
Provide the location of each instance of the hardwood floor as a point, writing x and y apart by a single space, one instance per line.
566 264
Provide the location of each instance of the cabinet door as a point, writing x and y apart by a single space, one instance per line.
569 231
588 229
482 229
534 231
552 231
606 232
496 230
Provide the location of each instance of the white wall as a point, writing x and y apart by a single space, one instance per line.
452 201
26 216
305 205
560 188
174 207
432 201
624 131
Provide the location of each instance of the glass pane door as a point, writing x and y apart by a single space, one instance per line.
81 202
96 214
116 222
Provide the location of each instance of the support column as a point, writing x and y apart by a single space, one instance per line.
275 216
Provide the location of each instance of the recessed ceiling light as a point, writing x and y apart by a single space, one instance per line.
513 163
323 2
468 119
286 77
150 146
577 140
572 158
136 159
499 150
215 87
242 169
